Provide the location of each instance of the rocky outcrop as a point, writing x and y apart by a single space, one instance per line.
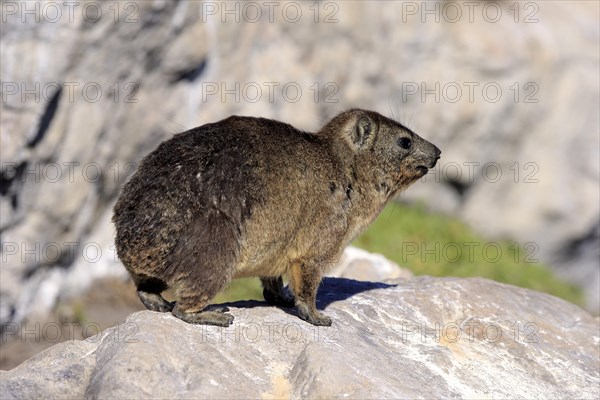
85 96
419 338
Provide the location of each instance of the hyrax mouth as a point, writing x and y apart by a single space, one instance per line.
422 169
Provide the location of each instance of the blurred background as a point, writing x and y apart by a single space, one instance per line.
507 89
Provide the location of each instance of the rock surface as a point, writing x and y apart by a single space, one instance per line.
358 264
66 151
419 338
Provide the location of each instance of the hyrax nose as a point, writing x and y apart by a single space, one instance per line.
436 155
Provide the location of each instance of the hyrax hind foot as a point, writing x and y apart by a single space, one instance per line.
310 314
275 293
210 316
155 302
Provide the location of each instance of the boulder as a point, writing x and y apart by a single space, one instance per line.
419 338
361 265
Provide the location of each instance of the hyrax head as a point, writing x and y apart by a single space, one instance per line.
394 154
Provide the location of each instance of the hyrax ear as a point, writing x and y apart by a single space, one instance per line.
363 134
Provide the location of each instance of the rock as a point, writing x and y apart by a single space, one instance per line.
361 265
162 67
419 338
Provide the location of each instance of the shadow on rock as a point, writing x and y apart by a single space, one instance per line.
338 289
331 290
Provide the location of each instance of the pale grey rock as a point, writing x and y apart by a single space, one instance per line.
361 265
419 338
154 70
61 372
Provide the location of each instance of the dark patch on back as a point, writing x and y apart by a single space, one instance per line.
349 191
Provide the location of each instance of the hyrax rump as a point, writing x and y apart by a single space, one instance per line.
256 197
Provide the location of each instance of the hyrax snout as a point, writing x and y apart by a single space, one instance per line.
256 197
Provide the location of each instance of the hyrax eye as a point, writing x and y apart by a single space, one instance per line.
404 142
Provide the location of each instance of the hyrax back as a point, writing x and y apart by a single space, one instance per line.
256 197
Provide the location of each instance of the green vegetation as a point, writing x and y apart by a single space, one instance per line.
241 289
437 245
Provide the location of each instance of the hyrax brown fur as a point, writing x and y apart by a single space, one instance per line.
256 197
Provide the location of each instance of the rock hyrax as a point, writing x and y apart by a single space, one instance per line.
255 197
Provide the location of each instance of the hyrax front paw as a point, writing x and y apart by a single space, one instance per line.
313 316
